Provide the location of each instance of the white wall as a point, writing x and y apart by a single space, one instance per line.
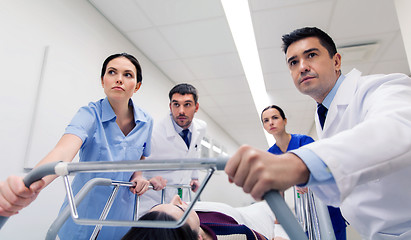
72 39
404 18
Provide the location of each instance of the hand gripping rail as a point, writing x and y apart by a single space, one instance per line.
273 198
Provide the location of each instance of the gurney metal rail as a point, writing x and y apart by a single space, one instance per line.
273 198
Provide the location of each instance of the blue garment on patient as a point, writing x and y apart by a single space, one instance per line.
337 220
103 140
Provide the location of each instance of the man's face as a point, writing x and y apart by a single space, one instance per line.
183 108
313 71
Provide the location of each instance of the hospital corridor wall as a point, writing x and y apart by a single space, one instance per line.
51 57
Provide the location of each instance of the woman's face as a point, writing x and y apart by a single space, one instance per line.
273 123
120 81
176 209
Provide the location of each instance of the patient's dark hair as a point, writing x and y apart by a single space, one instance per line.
183 232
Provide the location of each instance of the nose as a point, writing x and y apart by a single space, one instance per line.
304 66
181 110
176 200
271 122
119 80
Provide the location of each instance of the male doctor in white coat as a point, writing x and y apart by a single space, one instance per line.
168 142
362 161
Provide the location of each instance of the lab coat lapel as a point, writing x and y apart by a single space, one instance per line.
340 102
194 137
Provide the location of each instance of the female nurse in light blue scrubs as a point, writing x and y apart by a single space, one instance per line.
111 129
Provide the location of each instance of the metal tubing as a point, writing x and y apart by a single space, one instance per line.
106 209
33 176
65 213
125 166
284 215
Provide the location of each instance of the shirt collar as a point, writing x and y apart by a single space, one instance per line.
108 112
178 128
330 96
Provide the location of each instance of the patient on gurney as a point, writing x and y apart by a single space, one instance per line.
210 221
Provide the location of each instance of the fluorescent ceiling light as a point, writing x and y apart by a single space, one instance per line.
239 19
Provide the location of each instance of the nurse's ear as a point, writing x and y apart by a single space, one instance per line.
138 85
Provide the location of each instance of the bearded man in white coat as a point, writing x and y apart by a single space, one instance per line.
168 142
362 161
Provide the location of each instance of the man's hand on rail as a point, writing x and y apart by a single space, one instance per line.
195 184
141 184
258 171
14 195
158 183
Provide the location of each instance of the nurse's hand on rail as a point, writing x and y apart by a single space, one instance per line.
141 185
258 171
14 195
158 183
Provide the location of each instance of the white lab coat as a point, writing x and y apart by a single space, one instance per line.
166 143
366 144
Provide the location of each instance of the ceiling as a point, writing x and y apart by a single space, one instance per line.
190 41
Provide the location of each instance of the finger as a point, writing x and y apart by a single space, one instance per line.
16 193
37 186
233 163
248 158
6 209
259 189
143 189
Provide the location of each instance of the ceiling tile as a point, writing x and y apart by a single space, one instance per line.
124 14
146 39
218 86
179 11
269 25
272 60
176 70
365 17
217 66
398 66
278 81
200 38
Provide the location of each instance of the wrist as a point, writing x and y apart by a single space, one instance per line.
301 173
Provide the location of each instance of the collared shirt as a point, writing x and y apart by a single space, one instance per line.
319 172
103 140
179 129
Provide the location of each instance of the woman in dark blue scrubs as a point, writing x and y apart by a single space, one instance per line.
274 122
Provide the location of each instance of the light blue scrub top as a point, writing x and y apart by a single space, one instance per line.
103 140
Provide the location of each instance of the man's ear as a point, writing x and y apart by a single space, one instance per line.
337 62
102 82
197 106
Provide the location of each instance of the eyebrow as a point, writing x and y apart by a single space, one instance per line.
187 101
305 52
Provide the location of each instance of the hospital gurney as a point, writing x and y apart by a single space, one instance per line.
273 198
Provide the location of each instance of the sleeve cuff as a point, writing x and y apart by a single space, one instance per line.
319 171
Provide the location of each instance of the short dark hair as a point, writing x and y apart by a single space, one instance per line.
130 57
183 232
282 114
302 33
184 88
